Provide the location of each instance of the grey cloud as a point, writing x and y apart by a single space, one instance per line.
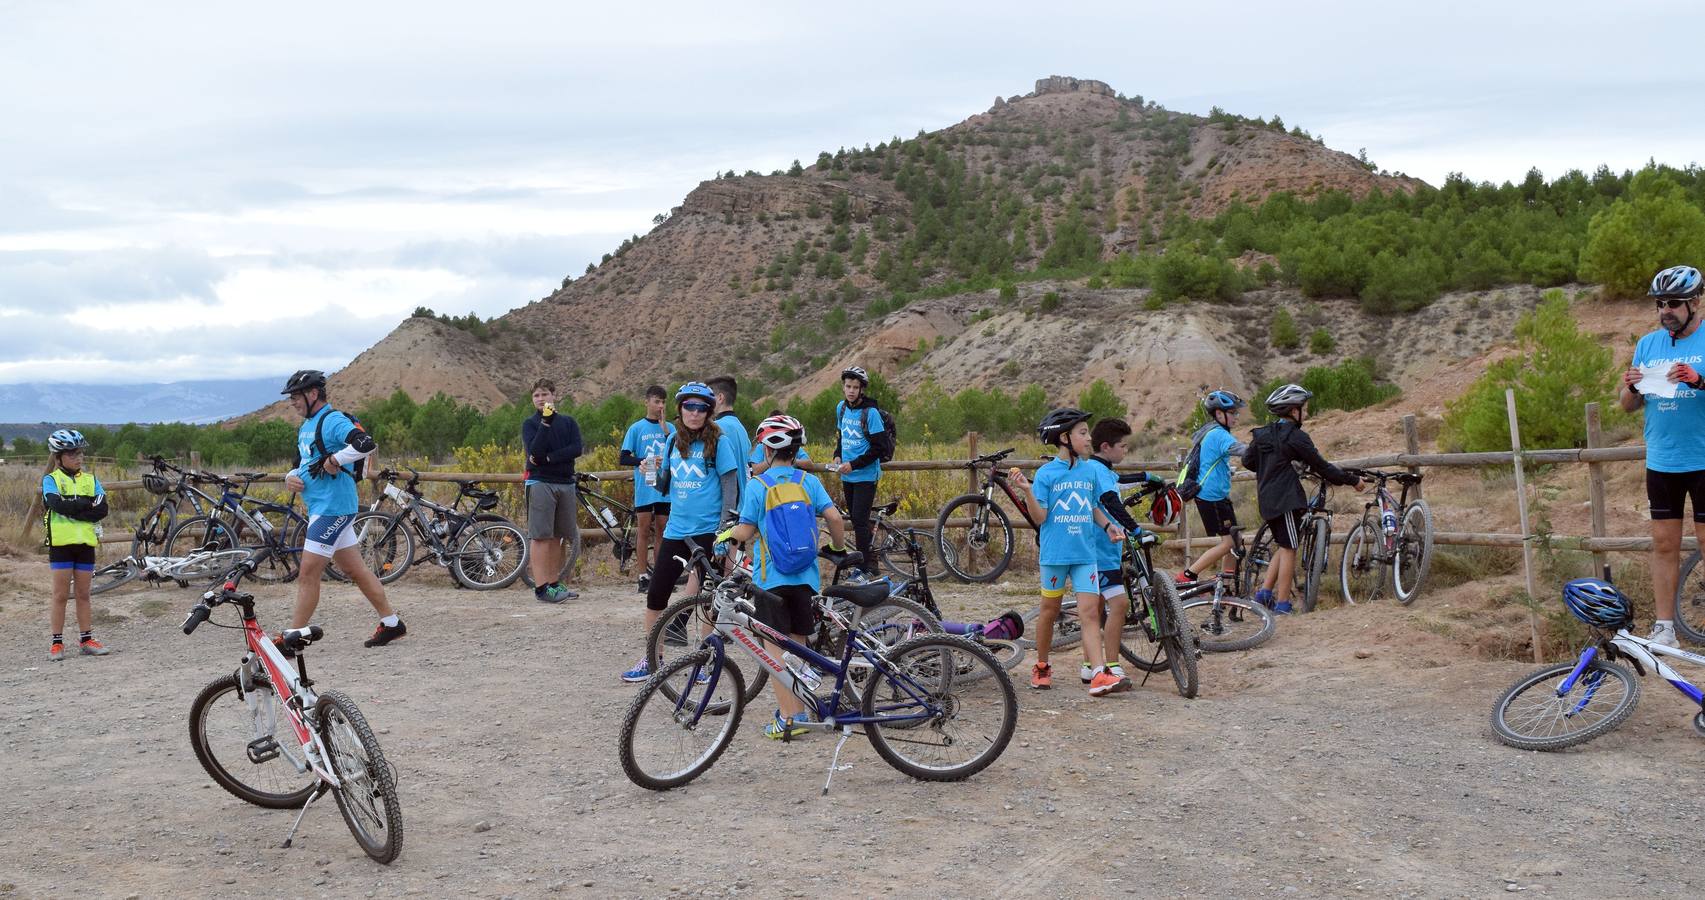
61 279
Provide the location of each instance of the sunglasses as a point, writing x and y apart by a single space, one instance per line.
1672 304
696 407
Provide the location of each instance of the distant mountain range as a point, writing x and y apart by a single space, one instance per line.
196 402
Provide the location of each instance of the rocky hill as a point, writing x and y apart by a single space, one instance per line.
780 277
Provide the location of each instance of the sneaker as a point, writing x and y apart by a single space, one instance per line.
1264 597
1184 579
1282 609
640 672
1118 672
385 634
56 652
645 581
551 593
781 729
1041 676
565 592
92 647
1103 683
1086 673
1663 633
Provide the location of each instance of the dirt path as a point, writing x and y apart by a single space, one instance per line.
1301 771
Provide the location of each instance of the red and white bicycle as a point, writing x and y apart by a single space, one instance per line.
324 745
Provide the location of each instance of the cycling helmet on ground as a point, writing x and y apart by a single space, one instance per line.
1168 506
856 372
1597 603
1287 396
780 433
1059 423
66 439
304 380
1222 400
695 389
1677 281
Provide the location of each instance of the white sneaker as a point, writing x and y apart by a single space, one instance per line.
1663 633
1086 673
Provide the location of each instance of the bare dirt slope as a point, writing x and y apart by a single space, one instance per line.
1302 770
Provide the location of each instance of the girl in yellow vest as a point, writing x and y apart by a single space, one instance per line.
75 501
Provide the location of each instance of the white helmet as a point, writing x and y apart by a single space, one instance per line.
780 433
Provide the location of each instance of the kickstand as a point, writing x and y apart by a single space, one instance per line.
846 732
317 794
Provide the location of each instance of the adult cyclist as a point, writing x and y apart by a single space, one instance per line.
1675 431
327 445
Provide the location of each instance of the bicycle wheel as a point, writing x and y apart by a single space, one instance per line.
282 564
1178 639
1414 551
1311 562
1361 576
1255 563
224 724
1139 642
1532 716
489 556
1229 624
666 739
386 545
368 795
678 632
208 566
894 555
951 724
153 531
200 533
981 551
112 575
1690 601
1068 633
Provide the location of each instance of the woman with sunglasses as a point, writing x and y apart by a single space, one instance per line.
1675 431
700 475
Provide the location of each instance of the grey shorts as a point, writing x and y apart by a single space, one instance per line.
551 511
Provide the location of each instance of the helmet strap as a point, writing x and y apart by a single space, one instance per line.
1676 334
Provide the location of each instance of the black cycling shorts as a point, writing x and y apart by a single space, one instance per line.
1218 517
77 557
1287 529
1667 492
660 508
796 614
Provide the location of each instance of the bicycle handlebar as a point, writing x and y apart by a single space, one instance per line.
1148 489
992 457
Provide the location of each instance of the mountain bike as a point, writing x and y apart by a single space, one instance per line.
1398 538
266 735
989 535
234 519
481 554
892 546
172 485
1223 621
918 704
613 516
1314 545
200 565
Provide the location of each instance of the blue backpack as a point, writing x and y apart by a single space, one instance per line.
789 529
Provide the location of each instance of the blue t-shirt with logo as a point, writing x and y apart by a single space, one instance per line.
1214 462
695 487
752 513
326 494
1068 493
1107 553
1675 426
855 441
646 438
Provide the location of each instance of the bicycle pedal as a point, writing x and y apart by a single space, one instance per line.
263 749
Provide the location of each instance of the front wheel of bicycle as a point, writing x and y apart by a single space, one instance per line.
1532 715
1228 624
894 553
490 556
570 553
367 796
1068 632
286 540
385 543
980 551
670 733
1690 600
1139 642
1361 576
1255 564
1311 561
226 726
1175 635
680 631
1414 552
951 723
112 575
200 533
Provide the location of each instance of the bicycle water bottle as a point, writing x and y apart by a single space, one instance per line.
1388 519
609 517
798 667
651 472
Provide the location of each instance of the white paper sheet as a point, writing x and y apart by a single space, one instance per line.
1654 381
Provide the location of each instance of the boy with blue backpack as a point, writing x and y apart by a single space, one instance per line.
780 510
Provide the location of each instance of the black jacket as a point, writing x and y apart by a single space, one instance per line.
1272 450
551 449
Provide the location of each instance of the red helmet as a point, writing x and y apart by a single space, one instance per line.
1168 506
780 433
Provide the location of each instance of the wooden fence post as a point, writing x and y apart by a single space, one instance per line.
1412 440
1595 489
1526 533
195 460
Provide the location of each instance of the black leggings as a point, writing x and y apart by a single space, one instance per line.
861 495
669 568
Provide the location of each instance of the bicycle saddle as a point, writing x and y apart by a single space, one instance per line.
298 638
1406 478
249 476
864 596
888 508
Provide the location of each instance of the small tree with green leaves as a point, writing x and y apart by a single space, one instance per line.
1101 401
1321 342
1282 333
1653 227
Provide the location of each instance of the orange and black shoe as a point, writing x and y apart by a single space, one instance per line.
57 651
385 634
1042 676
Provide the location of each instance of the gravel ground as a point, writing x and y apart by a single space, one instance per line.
1350 755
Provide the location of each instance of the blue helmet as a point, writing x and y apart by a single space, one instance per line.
66 439
1677 281
1222 400
1597 603
695 389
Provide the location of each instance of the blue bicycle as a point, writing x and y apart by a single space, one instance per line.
936 707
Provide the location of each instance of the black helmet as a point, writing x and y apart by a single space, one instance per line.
1060 422
303 380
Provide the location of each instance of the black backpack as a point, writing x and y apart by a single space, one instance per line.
357 471
884 450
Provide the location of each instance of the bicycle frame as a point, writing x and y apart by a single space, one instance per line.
295 694
1645 655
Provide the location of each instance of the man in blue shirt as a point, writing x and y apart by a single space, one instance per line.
646 439
859 445
328 445
1675 431
1211 453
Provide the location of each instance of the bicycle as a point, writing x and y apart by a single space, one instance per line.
1399 538
155 527
990 530
1314 546
234 519
947 726
1223 621
201 564
892 546
614 517
328 747
481 554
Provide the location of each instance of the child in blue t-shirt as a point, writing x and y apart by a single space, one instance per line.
646 439
1067 493
1212 451
1107 439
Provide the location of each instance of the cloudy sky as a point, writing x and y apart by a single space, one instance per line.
202 189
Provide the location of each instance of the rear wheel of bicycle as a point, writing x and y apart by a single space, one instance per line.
1178 639
153 531
1532 716
894 555
200 533
222 728
963 706
282 564
1231 624
1690 601
1316 546
678 632
114 574
1068 632
1414 552
666 739
980 551
1361 576
489 556
368 795
386 545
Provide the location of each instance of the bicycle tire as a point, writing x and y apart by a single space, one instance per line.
893 556
654 688
1407 588
282 565
1690 600
199 533
919 662
1212 633
1320 542
992 538
1068 633
489 556
1179 640
1361 577
686 614
114 574
386 545
367 778
1253 568
1139 644
238 780
1545 679
153 531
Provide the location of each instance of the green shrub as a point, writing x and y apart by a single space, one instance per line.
1320 342
1050 301
1282 333
1352 384
1101 401
1655 226
1008 292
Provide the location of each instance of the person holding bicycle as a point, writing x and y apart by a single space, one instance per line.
1208 476
1675 432
1108 440
1272 454
859 445
73 500
1069 496
552 443
327 447
645 440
